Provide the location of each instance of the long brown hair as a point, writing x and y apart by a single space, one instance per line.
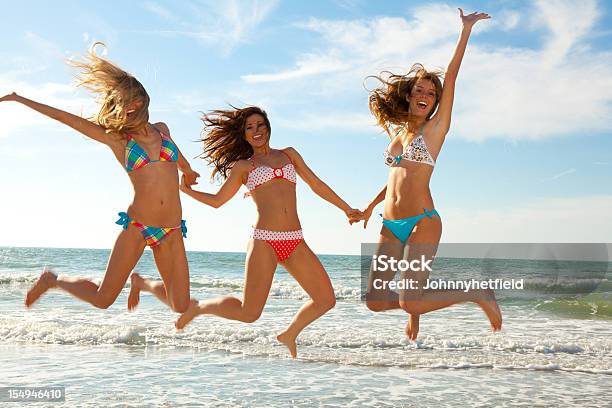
116 90
223 137
388 102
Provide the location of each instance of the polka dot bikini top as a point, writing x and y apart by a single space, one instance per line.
263 174
416 151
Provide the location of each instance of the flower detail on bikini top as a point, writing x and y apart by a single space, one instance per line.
136 157
416 151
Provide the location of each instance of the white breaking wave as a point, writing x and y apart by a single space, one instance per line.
332 346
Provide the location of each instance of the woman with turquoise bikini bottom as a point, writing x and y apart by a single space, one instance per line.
151 160
405 107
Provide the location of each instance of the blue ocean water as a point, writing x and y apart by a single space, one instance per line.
555 347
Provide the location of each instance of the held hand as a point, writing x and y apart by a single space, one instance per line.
189 178
353 215
471 19
10 97
184 187
367 213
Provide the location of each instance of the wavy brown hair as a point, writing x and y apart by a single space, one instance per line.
116 90
223 137
388 102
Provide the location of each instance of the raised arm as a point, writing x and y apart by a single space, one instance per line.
318 186
442 119
183 165
79 124
230 187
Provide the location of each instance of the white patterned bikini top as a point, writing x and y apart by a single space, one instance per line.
416 151
262 174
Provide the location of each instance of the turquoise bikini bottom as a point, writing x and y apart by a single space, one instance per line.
403 228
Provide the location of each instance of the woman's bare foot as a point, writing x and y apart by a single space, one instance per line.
135 286
288 341
46 281
489 305
192 311
412 326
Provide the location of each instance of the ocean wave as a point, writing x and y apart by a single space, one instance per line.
597 304
64 332
280 289
568 286
594 305
76 334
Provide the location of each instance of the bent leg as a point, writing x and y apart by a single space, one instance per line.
423 245
125 254
379 299
171 261
259 271
308 271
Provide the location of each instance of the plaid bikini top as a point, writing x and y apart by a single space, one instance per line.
136 157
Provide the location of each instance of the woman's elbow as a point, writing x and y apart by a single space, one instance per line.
217 202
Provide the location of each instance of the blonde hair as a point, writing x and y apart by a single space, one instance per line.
117 90
388 102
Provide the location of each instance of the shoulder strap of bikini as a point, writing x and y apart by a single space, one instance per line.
161 132
290 161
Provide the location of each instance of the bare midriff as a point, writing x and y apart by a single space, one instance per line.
408 190
276 206
156 195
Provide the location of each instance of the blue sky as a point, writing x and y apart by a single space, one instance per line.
528 157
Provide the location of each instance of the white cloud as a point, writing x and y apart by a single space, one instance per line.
16 118
326 121
222 24
507 19
159 10
568 24
42 45
308 65
579 219
557 87
559 175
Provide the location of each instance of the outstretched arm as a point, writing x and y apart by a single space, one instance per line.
183 165
79 124
318 186
229 188
442 119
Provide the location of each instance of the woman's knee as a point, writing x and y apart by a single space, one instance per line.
180 306
326 303
377 305
103 302
250 315
178 299
412 306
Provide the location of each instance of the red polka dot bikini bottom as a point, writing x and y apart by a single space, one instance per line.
283 242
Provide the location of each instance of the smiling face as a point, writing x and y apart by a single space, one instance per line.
422 99
256 130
